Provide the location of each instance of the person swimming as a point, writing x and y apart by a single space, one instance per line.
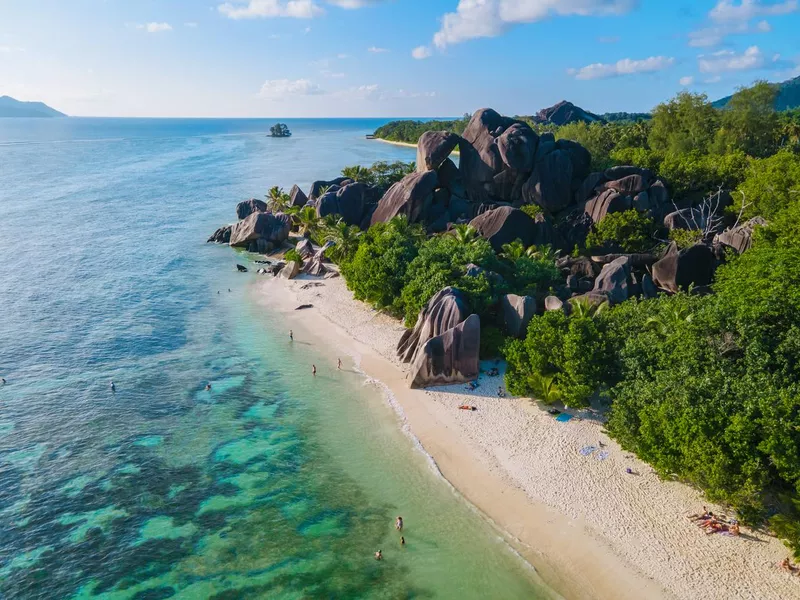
208 387
314 370
113 387
399 524
379 555
402 541
291 335
339 364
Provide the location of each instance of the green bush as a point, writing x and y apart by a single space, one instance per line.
442 262
377 271
685 238
771 185
532 210
293 256
630 230
492 340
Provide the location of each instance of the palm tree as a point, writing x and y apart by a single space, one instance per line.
513 251
583 309
344 237
359 173
278 200
465 234
545 252
306 220
545 388
668 321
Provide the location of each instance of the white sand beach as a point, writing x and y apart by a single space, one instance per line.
588 527
405 144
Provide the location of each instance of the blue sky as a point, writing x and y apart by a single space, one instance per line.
292 58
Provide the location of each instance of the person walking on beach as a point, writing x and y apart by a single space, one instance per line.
314 370
339 364
291 335
399 524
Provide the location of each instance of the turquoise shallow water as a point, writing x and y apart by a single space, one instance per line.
272 485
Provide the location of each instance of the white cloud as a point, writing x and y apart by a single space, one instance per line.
489 18
376 50
10 49
374 92
155 27
626 66
352 3
686 81
728 60
714 79
331 74
269 9
715 35
745 10
190 24
421 52
277 89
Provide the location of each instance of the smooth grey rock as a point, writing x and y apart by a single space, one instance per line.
271 227
679 269
444 311
298 197
410 196
517 146
518 312
248 207
290 271
740 238
433 148
221 235
613 280
304 248
451 357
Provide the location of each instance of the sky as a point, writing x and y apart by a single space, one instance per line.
386 58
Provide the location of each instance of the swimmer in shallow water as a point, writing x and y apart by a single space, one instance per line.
113 387
379 555
208 387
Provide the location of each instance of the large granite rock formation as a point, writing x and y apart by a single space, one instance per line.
444 311
678 269
348 201
613 280
621 188
290 270
517 313
505 224
740 238
272 228
563 113
221 235
452 357
412 196
248 207
304 248
318 186
297 196
433 148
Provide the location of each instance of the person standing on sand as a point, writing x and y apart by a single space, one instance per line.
314 370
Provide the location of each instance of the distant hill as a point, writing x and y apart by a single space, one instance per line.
563 113
788 96
9 107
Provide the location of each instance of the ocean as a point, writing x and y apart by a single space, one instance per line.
272 484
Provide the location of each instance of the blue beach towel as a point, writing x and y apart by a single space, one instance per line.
602 455
587 450
563 417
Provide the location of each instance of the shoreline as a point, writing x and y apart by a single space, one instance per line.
589 530
404 144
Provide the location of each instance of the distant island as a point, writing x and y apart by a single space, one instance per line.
787 98
280 130
10 107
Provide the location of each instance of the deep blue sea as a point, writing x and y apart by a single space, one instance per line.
271 485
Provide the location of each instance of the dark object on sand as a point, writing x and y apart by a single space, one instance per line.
304 306
241 268
468 407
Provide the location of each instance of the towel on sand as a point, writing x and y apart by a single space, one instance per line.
602 455
587 450
563 417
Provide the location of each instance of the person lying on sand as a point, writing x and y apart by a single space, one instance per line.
787 566
701 516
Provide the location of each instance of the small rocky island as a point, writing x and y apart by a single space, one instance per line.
280 130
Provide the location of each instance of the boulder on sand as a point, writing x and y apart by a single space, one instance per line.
273 228
290 271
304 248
433 148
409 196
444 311
517 313
248 207
452 357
